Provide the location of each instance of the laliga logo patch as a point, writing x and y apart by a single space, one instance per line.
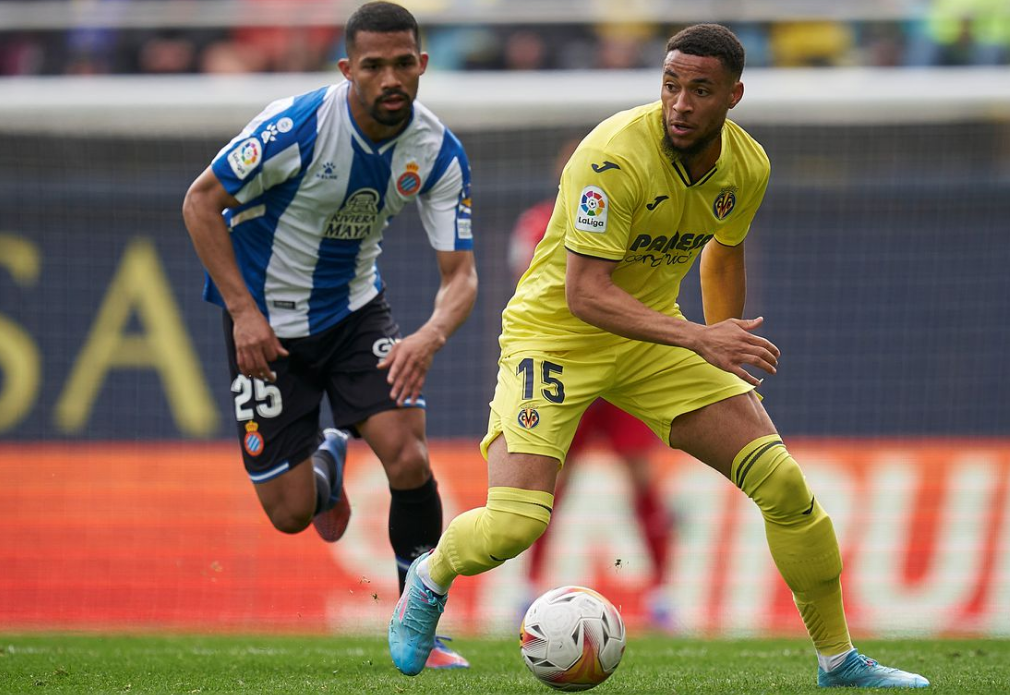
253 440
591 215
529 418
724 203
409 182
244 158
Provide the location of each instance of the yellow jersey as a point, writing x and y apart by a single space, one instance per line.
621 198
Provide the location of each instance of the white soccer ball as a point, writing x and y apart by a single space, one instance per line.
572 638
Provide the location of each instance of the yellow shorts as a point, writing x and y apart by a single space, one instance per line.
541 395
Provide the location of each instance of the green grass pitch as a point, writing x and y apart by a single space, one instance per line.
87 663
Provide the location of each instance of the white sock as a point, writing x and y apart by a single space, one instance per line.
830 663
425 577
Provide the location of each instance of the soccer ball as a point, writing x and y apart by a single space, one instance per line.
572 638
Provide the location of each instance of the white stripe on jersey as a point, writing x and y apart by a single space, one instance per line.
362 286
288 286
248 214
442 211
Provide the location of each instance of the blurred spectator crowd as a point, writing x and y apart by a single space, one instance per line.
941 32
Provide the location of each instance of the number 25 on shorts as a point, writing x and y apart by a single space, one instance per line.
553 389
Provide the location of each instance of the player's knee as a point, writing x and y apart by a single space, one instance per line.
407 467
509 534
291 518
783 495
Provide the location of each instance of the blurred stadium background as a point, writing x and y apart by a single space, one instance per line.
880 261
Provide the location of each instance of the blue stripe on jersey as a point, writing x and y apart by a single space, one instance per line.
451 149
367 182
253 240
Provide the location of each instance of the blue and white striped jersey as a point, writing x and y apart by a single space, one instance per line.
316 195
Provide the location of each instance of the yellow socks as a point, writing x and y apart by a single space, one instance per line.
800 537
484 538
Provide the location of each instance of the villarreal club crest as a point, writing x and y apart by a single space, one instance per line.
529 418
724 203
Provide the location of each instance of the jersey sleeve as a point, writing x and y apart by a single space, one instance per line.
600 194
735 232
274 147
444 202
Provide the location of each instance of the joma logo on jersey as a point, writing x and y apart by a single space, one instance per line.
356 218
724 203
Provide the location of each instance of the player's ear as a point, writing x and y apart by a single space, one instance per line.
345 68
736 95
423 58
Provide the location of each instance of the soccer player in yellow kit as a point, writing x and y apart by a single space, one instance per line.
645 194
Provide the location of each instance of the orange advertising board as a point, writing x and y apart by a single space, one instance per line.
168 535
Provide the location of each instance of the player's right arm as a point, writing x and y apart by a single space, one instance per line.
593 297
597 243
256 345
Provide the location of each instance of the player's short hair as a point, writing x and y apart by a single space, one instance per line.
381 18
710 41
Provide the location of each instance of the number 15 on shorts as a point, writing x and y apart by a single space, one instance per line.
551 386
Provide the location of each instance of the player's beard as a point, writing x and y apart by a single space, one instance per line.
686 154
391 118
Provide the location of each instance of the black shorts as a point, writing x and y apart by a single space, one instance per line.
278 423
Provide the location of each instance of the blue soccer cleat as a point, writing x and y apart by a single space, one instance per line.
412 627
442 656
858 671
331 523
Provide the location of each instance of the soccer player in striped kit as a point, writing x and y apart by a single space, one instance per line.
288 221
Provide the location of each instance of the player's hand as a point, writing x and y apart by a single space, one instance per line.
730 344
256 345
408 362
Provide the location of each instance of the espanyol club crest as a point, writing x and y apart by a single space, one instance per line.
409 182
253 440
724 203
529 418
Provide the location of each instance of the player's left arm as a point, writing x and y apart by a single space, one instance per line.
723 264
444 206
723 282
410 359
